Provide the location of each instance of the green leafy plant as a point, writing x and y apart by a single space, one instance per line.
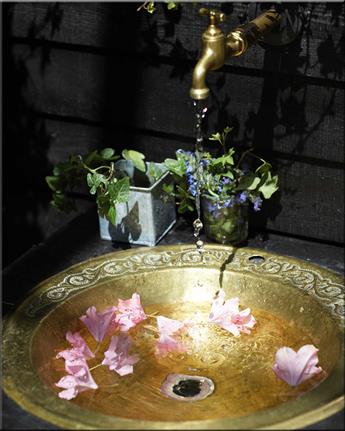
150 7
99 172
225 180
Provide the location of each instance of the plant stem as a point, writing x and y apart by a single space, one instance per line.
97 348
112 170
102 167
96 366
108 386
94 170
243 155
213 193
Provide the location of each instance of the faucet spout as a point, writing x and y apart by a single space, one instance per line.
199 88
218 47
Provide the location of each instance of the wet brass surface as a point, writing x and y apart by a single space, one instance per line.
294 302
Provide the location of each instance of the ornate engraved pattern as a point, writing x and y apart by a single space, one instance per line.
325 290
328 292
117 267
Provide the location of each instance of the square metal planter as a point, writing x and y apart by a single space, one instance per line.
147 216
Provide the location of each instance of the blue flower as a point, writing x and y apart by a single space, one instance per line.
242 197
205 162
192 189
229 203
257 204
226 180
189 168
190 178
192 184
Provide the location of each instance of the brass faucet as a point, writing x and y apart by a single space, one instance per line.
218 47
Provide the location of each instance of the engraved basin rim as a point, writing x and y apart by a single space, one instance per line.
152 258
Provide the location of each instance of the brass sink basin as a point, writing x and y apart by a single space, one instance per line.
294 303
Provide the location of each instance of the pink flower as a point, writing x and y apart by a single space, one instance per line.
117 356
168 344
99 324
130 312
227 315
72 358
80 347
78 380
295 368
167 328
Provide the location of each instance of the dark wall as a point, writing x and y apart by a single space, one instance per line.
78 76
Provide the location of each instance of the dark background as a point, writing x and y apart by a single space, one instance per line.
79 76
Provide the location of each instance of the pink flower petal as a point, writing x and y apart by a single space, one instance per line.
296 367
79 345
167 344
101 323
70 355
227 315
167 328
131 312
78 380
117 356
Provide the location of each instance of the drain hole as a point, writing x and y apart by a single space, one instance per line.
256 259
187 388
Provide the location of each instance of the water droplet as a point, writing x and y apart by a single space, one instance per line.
199 244
197 225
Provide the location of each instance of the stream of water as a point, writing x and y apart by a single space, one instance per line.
200 113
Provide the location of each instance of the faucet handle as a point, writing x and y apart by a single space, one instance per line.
214 16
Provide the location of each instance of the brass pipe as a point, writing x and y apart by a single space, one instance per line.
218 47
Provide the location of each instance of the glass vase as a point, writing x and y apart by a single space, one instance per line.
226 225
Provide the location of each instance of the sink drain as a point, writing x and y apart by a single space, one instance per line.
183 387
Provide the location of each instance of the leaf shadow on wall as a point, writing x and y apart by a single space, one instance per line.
26 140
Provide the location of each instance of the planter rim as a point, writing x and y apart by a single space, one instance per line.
152 186
149 189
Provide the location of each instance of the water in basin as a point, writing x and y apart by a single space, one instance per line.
239 367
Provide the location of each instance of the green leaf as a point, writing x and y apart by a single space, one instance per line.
227 159
89 179
89 158
168 188
269 186
119 190
107 153
228 174
61 168
171 5
63 203
53 182
111 215
136 158
228 130
249 182
154 172
177 167
264 168
103 204
150 7
94 180
215 137
228 227
184 206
